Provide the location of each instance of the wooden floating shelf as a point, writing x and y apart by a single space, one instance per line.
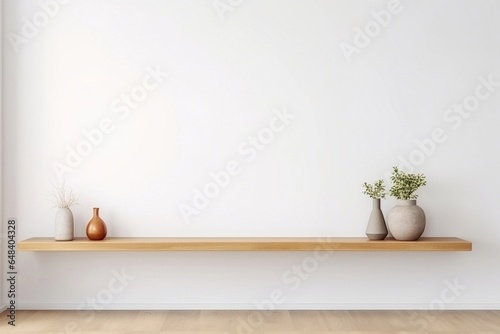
243 244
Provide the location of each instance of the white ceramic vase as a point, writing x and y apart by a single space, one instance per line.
376 228
64 225
406 220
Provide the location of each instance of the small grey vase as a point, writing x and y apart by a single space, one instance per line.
406 220
376 228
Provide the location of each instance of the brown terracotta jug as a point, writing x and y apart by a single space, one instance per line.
96 229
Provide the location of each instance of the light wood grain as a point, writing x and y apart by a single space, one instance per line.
181 321
308 321
245 244
212 321
275 322
257 322
386 321
338 320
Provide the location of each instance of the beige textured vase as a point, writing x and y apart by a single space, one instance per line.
64 225
96 229
406 220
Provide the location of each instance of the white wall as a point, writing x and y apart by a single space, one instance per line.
354 120
2 224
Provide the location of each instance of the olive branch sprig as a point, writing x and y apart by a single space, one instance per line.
404 184
375 190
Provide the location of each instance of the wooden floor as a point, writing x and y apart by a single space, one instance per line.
245 322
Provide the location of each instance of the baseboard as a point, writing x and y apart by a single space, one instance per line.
3 308
248 306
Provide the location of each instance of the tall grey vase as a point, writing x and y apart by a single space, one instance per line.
376 228
406 220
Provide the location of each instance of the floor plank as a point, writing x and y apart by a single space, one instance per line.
381 320
262 322
254 322
181 321
308 321
338 320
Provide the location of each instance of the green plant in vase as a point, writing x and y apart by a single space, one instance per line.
406 220
404 184
376 228
375 190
